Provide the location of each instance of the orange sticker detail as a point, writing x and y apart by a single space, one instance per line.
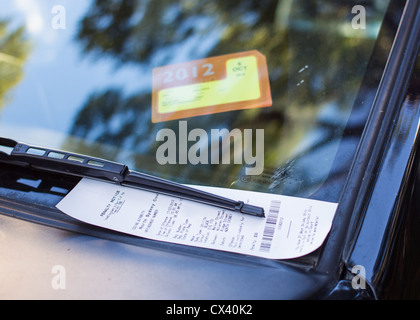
207 86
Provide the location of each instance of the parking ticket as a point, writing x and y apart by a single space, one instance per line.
293 226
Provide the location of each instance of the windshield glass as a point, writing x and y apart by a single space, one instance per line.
247 94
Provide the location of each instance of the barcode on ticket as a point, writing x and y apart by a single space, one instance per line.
270 226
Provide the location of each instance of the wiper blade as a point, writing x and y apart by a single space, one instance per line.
44 159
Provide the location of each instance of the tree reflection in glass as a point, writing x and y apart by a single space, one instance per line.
316 62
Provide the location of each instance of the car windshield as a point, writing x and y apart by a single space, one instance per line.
251 94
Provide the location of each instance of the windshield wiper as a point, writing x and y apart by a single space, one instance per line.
40 158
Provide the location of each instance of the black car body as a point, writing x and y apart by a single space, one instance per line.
370 252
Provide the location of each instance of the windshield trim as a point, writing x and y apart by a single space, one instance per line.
389 97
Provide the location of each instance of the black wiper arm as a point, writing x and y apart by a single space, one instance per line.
57 161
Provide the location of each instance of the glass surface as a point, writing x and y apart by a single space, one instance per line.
78 76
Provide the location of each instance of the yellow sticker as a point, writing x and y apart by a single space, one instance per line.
212 85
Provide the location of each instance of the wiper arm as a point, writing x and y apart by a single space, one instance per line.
57 161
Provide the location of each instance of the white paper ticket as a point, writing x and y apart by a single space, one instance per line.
292 226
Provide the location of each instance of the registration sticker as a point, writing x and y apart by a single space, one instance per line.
212 85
